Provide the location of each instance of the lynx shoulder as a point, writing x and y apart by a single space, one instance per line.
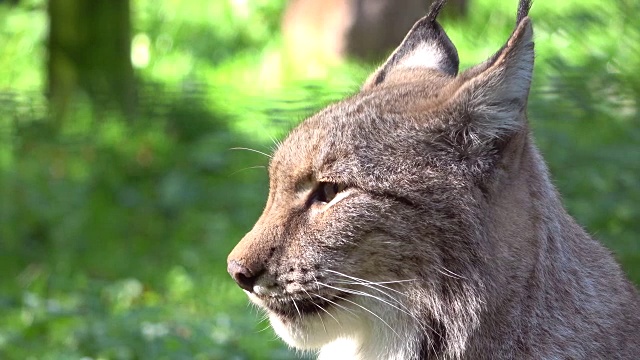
416 220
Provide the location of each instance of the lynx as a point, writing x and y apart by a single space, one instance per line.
416 220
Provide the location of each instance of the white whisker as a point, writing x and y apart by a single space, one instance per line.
248 168
403 310
370 312
337 305
323 309
373 282
398 305
263 329
249 149
297 310
451 273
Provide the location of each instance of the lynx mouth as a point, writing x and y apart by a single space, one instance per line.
298 308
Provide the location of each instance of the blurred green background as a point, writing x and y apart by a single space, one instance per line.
120 194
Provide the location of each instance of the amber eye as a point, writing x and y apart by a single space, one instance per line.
327 191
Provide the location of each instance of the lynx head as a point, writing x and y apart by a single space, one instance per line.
374 226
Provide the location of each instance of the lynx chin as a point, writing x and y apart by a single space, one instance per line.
416 220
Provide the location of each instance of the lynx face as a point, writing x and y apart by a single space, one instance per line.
402 220
350 189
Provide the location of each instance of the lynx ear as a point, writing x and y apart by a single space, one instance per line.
426 46
495 92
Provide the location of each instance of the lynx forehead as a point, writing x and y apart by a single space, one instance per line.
416 220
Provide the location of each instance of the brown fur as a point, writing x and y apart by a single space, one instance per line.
416 220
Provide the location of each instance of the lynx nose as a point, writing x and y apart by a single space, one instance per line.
244 277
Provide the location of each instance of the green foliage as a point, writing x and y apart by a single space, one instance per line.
185 37
22 34
114 234
114 238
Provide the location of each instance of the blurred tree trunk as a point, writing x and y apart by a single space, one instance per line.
89 53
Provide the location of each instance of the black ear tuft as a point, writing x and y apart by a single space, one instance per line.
523 10
435 9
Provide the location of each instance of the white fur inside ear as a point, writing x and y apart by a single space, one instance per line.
426 55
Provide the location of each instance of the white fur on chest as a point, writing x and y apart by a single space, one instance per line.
341 348
350 332
392 336
378 349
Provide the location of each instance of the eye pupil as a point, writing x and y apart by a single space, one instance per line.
327 191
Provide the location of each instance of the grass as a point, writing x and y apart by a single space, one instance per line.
114 235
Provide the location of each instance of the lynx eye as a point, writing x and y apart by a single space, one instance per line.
327 191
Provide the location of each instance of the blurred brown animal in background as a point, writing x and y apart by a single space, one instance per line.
333 30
